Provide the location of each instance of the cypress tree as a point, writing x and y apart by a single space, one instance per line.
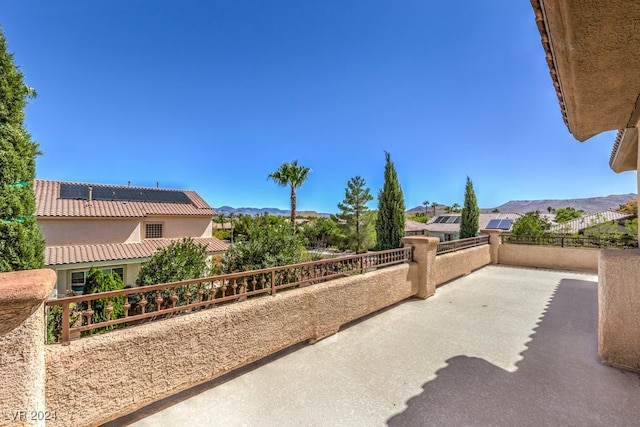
390 219
470 222
21 243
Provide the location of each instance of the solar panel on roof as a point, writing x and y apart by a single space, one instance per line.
493 224
123 194
505 224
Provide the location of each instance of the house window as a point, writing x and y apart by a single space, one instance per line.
118 270
153 231
78 279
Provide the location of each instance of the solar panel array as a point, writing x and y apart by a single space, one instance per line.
500 224
124 194
448 219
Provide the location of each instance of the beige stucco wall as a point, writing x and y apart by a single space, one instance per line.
456 264
176 227
98 378
619 308
83 231
60 232
577 259
22 348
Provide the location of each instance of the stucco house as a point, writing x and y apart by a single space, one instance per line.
115 228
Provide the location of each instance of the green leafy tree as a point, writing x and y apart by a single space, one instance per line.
267 245
352 216
390 219
470 221
419 217
21 243
531 224
99 281
293 176
321 232
181 260
632 227
567 214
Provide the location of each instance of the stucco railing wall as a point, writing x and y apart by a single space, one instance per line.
456 264
22 348
98 378
578 259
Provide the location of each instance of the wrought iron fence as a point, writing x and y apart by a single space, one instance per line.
625 242
457 245
78 315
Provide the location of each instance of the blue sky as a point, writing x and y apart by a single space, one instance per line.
212 96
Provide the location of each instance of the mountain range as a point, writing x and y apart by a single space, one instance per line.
588 205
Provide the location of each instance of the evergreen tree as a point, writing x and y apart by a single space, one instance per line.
21 243
470 222
390 220
353 209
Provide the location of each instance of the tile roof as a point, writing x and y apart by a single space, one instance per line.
411 225
585 221
50 204
73 254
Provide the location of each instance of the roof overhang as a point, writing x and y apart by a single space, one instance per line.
624 156
593 53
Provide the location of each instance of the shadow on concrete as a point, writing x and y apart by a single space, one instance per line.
559 381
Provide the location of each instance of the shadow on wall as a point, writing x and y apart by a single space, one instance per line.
559 381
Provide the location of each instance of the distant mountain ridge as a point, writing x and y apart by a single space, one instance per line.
588 205
260 211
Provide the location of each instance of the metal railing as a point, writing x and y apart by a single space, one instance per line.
457 245
145 303
597 242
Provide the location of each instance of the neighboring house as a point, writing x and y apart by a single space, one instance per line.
115 228
447 227
415 228
593 221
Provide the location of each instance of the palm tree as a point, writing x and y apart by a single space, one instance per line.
455 208
434 205
426 205
293 176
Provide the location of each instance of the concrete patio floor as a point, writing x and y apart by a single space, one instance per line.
503 346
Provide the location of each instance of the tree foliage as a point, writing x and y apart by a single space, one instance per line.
21 243
391 208
181 260
293 176
266 245
567 214
470 221
531 224
99 281
631 207
353 217
321 232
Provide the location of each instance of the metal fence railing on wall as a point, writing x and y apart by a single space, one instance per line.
596 242
78 315
456 245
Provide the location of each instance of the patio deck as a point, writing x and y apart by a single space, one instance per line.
503 346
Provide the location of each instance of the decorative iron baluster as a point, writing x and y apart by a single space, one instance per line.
159 301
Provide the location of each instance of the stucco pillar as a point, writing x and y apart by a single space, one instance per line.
494 244
618 302
424 254
22 352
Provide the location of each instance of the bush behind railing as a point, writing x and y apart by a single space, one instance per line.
73 316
